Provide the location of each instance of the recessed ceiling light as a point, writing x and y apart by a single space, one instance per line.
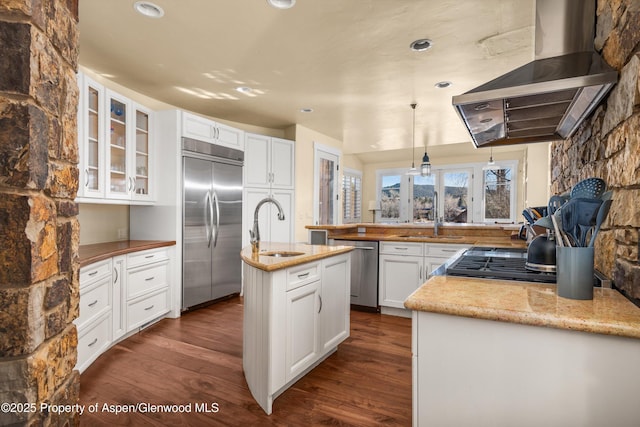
148 9
244 89
306 110
443 84
421 45
282 4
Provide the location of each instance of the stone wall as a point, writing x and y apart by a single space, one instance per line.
38 227
608 146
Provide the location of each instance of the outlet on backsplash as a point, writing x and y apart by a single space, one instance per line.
123 234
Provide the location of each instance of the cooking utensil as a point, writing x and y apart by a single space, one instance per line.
559 238
545 222
528 217
590 188
555 202
602 215
557 216
576 213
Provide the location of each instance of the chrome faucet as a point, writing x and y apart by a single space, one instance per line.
435 214
255 232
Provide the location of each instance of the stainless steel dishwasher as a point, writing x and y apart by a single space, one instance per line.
364 273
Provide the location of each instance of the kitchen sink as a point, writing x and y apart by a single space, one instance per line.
282 254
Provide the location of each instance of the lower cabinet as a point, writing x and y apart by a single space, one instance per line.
119 295
293 319
405 266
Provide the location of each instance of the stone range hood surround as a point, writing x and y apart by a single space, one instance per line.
548 98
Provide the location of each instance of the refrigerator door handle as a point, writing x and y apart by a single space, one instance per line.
215 198
208 220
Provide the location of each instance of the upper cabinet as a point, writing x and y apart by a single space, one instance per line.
269 162
115 145
206 130
91 143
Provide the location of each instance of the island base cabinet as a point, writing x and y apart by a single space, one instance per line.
487 373
293 320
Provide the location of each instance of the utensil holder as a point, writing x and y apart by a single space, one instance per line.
574 272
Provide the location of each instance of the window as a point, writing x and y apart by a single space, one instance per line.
351 196
448 194
498 194
392 185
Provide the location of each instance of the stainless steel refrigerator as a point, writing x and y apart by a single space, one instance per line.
212 222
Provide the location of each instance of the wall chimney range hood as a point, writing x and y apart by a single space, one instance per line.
548 98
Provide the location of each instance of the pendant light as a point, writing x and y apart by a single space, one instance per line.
491 165
413 170
425 167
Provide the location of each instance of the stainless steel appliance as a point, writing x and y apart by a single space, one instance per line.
505 264
548 98
212 222
364 273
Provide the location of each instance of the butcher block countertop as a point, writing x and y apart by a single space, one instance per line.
89 254
499 235
305 254
527 303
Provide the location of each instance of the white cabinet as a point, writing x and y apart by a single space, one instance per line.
404 266
119 288
269 162
302 334
206 130
269 171
293 319
119 295
94 320
91 138
147 286
115 145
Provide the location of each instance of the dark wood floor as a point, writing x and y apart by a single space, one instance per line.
198 359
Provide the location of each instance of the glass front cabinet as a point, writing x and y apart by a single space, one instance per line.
115 146
91 144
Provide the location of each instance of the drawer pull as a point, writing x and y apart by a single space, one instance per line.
449 250
93 303
93 273
400 249
149 256
92 343
149 308
148 279
303 275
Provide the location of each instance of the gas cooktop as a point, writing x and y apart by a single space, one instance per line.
497 263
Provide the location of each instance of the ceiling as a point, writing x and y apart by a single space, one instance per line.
348 60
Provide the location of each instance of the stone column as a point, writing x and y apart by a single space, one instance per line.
39 231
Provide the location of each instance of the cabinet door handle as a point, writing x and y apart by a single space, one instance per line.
320 298
149 256
92 343
93 303
115 271
303 275
148 279
93 273
86 177
149 308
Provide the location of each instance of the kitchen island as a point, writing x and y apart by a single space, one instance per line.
296 312
502 353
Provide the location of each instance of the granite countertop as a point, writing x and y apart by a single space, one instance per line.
88 254
307 253
527 303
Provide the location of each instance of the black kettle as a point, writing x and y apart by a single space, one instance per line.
541 254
